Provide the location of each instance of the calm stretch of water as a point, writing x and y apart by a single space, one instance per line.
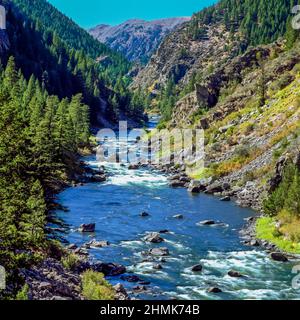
115 207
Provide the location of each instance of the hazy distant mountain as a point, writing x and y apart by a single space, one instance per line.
136 39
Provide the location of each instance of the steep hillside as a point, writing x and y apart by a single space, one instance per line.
234 71
136 39
44 48
212 36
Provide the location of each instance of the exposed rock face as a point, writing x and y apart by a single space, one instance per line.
50 281
180 56
136 39
207 94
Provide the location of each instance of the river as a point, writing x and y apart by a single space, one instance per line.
115 206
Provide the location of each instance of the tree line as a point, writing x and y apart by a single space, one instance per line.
39 137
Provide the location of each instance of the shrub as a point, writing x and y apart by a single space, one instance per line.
95 287
23 293
242 151
287 195
70 261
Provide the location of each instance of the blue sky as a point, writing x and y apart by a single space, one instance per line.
89 13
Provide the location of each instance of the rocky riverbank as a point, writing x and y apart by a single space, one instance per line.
50 280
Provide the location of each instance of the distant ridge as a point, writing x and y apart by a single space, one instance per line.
137 39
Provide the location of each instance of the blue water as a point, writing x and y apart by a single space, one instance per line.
115 207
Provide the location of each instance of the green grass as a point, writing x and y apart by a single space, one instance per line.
266 230
95 287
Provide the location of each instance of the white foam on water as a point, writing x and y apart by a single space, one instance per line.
137 179
137 244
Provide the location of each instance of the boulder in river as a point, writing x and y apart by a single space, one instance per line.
157 267
178 216
164 231
154 238
89 228
197 268
214 290
98 244
207 223
139 288
235 274
133 167
160 252
145 214
109 269
277 256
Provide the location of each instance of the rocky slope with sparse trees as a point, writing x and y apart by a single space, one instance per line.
235 75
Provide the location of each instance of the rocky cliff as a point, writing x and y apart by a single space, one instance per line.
136 39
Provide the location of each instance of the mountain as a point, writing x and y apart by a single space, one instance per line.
136 39
213 36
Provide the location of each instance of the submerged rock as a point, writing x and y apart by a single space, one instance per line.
178 216
207 223
225 199
157 267
214 290
133 167
197 268
130 278
145 214
164 231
